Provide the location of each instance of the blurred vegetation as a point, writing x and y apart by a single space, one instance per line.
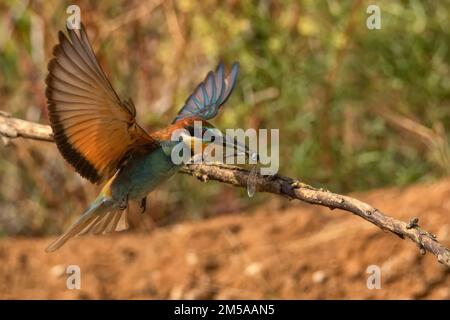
356 108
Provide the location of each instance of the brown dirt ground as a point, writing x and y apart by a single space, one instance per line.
301 252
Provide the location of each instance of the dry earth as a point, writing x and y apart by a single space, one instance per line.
300 252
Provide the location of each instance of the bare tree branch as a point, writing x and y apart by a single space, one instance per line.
15 128
284 186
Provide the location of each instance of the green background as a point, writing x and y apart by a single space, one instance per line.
357 109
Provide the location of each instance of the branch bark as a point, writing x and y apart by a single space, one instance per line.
11 128
14 128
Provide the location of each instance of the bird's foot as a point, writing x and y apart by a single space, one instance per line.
143 204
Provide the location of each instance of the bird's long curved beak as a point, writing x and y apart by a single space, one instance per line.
231 146
238 147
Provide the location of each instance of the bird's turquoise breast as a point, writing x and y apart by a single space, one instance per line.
142 173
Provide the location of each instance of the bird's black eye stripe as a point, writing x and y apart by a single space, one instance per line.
191 130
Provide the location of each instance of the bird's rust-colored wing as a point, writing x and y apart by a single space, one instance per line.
92 127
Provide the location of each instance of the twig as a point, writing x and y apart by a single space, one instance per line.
284 186
15 128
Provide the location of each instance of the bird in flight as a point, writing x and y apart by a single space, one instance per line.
97 133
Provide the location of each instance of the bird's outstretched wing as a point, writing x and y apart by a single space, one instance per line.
209 95
93 128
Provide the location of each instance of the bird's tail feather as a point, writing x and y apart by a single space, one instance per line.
101 217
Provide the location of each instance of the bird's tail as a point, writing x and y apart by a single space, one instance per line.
101 217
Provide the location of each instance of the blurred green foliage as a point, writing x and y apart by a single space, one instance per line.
356 108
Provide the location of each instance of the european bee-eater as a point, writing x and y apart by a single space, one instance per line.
97 133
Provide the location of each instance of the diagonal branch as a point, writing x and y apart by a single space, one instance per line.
14 128
284 186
